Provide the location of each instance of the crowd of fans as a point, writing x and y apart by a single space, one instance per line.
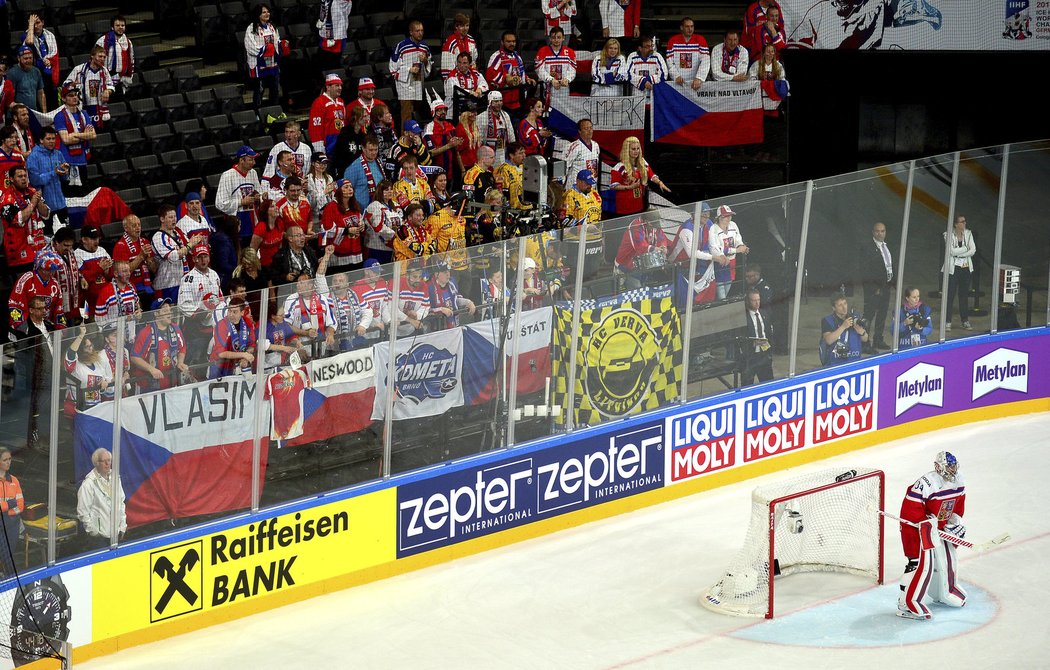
355 191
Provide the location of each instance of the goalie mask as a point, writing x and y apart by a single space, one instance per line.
946 465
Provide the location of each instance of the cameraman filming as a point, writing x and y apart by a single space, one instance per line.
913 322
843 333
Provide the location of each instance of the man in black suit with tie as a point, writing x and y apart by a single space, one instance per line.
876 276
758 357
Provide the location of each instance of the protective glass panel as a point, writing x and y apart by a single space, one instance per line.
1024 268
971 244
851 266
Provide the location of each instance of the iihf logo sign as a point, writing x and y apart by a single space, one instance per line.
426 372
1001 369
923 384
1018 24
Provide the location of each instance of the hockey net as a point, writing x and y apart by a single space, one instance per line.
825 521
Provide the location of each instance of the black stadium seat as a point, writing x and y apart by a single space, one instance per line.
160 137
190 133
206 159
146 111
247 123
105 148
219 128
159 81
120 117
178 164
174 107
202 102
132 142
148 169
186 76
116 174
163 193
133 198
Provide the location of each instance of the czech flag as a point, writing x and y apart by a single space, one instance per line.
183 452
480 354
720 113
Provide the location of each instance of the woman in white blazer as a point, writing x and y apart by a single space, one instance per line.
961 249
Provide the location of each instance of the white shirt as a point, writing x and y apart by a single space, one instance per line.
94 505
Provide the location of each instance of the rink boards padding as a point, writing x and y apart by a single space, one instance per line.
231 568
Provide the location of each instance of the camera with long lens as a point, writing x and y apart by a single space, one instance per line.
918 321
858 320
520 222
840 350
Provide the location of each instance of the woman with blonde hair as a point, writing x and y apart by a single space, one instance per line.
631 178
250 271
467 130
609 71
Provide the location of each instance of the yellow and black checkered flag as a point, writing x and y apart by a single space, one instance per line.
628 359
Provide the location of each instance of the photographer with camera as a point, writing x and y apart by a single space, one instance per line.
843 333
913 322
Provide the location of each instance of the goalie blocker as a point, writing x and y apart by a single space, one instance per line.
827 521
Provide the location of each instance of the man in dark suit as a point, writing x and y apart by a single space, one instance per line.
875 273
758 356
33 369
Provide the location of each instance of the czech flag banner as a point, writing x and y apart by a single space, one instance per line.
720 113
183 451
614 118
339 398
480 341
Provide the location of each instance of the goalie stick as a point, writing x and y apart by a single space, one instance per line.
957 541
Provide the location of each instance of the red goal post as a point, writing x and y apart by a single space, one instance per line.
826 521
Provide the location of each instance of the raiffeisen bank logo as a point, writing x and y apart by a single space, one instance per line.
922 384
1002 369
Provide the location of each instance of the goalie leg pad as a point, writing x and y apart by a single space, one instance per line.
914 584
951 593
943 585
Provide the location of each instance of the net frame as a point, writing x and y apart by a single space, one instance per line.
769 504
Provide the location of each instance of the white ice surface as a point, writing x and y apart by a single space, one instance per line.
622 593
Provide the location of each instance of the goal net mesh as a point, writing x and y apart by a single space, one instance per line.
812 523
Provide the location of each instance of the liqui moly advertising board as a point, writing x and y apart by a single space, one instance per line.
775 423
702 441
845 406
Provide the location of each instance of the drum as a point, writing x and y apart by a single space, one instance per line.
651 260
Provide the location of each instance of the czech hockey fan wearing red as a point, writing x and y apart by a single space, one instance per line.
555 64
138 253
293 209
23 211
342 226
366 96
118 297
506 73
457 43
199 294
40 281
755 19
68 274
936 501
439 136
327 115
233 347
158 354
10 156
